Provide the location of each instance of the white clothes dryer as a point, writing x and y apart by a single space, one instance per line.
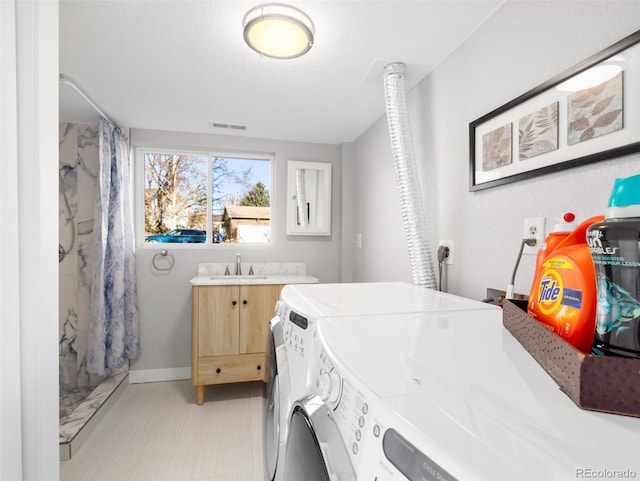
453 396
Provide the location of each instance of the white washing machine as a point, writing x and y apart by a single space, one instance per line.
453 396
299 309
301 305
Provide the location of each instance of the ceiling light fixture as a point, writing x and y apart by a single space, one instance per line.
595 75
278 31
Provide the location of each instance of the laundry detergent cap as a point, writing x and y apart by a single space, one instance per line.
625 198
566 224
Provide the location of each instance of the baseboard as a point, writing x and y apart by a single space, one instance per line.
155 375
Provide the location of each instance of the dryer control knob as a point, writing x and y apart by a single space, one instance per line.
329 387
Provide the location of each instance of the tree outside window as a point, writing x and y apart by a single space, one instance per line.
177 187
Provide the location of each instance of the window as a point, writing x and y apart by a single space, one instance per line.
205 197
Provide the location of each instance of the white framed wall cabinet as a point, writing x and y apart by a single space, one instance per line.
308 198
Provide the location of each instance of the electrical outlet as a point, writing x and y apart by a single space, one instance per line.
533 229
498 296
449 244
359 240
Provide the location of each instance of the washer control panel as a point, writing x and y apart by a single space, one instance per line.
295 329
346 398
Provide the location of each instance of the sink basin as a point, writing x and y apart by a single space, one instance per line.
235 276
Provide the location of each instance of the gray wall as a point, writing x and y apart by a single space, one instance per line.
522 45
165 300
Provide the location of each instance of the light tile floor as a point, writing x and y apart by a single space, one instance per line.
157 432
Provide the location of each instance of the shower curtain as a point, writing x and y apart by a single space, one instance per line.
114 331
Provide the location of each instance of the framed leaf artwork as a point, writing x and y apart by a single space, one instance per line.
586 114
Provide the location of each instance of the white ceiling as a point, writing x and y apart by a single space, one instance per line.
182 64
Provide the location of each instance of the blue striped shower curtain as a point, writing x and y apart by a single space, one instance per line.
114 331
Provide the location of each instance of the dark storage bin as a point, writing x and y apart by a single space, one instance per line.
598 383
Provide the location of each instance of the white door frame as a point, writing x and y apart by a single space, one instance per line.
28 240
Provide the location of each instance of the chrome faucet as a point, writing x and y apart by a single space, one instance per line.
238 268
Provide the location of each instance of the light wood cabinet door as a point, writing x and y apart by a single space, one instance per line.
229 333
257 307
218 321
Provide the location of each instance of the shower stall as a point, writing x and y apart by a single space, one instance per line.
82 394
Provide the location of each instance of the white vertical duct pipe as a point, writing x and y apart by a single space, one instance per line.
413 210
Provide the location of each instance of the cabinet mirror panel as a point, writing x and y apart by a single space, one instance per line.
309 198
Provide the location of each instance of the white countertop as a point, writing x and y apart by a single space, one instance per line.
213 274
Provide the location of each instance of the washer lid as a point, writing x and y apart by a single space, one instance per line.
321 300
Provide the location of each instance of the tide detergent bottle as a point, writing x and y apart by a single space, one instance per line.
560 231
563 292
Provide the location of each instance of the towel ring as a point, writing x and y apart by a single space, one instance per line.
163 254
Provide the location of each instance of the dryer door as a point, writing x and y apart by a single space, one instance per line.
315 451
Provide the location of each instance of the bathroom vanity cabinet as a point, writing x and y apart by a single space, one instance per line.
229 333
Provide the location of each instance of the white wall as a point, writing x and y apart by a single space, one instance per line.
344 213
376 207
165 300
522 45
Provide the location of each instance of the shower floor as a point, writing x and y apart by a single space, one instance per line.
71 398
79 410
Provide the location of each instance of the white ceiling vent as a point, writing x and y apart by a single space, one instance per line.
226 125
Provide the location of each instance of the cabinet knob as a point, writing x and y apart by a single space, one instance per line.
233 303
218 371
244 302
259 367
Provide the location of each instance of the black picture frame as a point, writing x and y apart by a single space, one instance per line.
500 126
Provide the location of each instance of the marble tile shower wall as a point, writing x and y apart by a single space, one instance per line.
79 162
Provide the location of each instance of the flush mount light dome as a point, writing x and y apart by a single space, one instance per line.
595 75
278 31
